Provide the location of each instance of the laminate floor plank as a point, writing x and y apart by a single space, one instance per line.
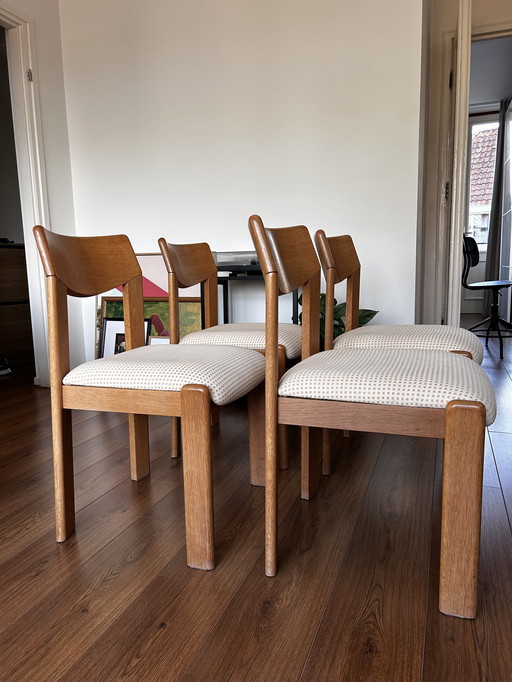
502 446
117 600
267 630
158 633
478 650
58 605
373 624
91 455
42 566
35 516
82 606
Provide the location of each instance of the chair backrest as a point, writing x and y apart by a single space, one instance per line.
288 261
87 266
340 262
471 257
187 265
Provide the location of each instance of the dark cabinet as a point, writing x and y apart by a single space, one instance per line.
16 344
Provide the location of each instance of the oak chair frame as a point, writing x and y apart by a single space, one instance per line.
340 262
288 260
88 266
188 265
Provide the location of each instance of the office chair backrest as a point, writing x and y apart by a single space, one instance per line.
471 258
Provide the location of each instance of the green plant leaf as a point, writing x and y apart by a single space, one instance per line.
340 309
366 315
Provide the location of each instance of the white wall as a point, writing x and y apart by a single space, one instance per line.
45 25
186 117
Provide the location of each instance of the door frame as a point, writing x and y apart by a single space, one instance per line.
465 35
21 57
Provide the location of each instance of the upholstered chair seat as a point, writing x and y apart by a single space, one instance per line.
228 373
249 335
403 377
413 336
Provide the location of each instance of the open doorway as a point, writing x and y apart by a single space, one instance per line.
490 86
16 344
482 133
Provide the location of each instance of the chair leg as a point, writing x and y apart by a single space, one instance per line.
198 476
175 437
138 427
63 473
271 488
311 446
256 414
282 429
215 414
461 508
326 452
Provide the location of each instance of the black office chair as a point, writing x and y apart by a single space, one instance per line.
493 323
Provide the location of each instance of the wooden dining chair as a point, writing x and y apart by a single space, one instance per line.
340 262
424 393
191 264
171 380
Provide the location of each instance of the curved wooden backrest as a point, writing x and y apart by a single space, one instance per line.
191 263
338 253
187 265
87 266
288 261
288 251
340 262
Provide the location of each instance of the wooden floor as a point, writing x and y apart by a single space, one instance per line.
355 597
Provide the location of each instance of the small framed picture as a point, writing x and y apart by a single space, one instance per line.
156 340
113 340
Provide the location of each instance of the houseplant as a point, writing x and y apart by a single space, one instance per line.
365 315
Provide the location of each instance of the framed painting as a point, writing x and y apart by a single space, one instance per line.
156 311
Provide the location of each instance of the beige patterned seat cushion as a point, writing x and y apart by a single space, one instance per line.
414 336
250 335
414 378
229 373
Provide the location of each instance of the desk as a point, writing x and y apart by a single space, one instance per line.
243 266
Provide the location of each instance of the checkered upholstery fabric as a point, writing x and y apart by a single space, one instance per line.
251 335
228 372
414 378
414 336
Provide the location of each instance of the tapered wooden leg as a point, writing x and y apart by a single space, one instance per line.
139 446
175 437
326 452
198 476
215 414
282 429
271 497
63 473
256 414
311 447
461 508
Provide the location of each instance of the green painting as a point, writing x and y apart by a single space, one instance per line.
157 310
